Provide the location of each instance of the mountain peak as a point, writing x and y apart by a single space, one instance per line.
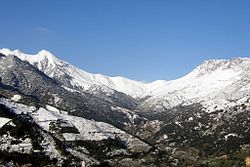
210 70
7 52
45 53
47 56
209 66
18 53
43 59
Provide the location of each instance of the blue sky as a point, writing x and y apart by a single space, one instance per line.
143 40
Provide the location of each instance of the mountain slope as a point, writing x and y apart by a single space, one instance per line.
42 123
29 81
77 78
208 78
56 138
213 83
201 119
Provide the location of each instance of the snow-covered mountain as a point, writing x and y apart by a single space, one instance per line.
214 83
52 128
210 80
53 113
77 78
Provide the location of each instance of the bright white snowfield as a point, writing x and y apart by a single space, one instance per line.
207 81
3 121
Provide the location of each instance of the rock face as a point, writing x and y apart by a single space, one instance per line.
69 114
213 79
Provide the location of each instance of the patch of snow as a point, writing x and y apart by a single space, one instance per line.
24 147
3 121
89 129
165 136
117 152
130 114
178 123
230 134
51 108
16 107
16 98
69 89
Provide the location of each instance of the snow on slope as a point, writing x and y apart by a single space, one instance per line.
88 129
16 98
209 78
52 66
214 82
3 121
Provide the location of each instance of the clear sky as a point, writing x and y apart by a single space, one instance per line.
143 40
